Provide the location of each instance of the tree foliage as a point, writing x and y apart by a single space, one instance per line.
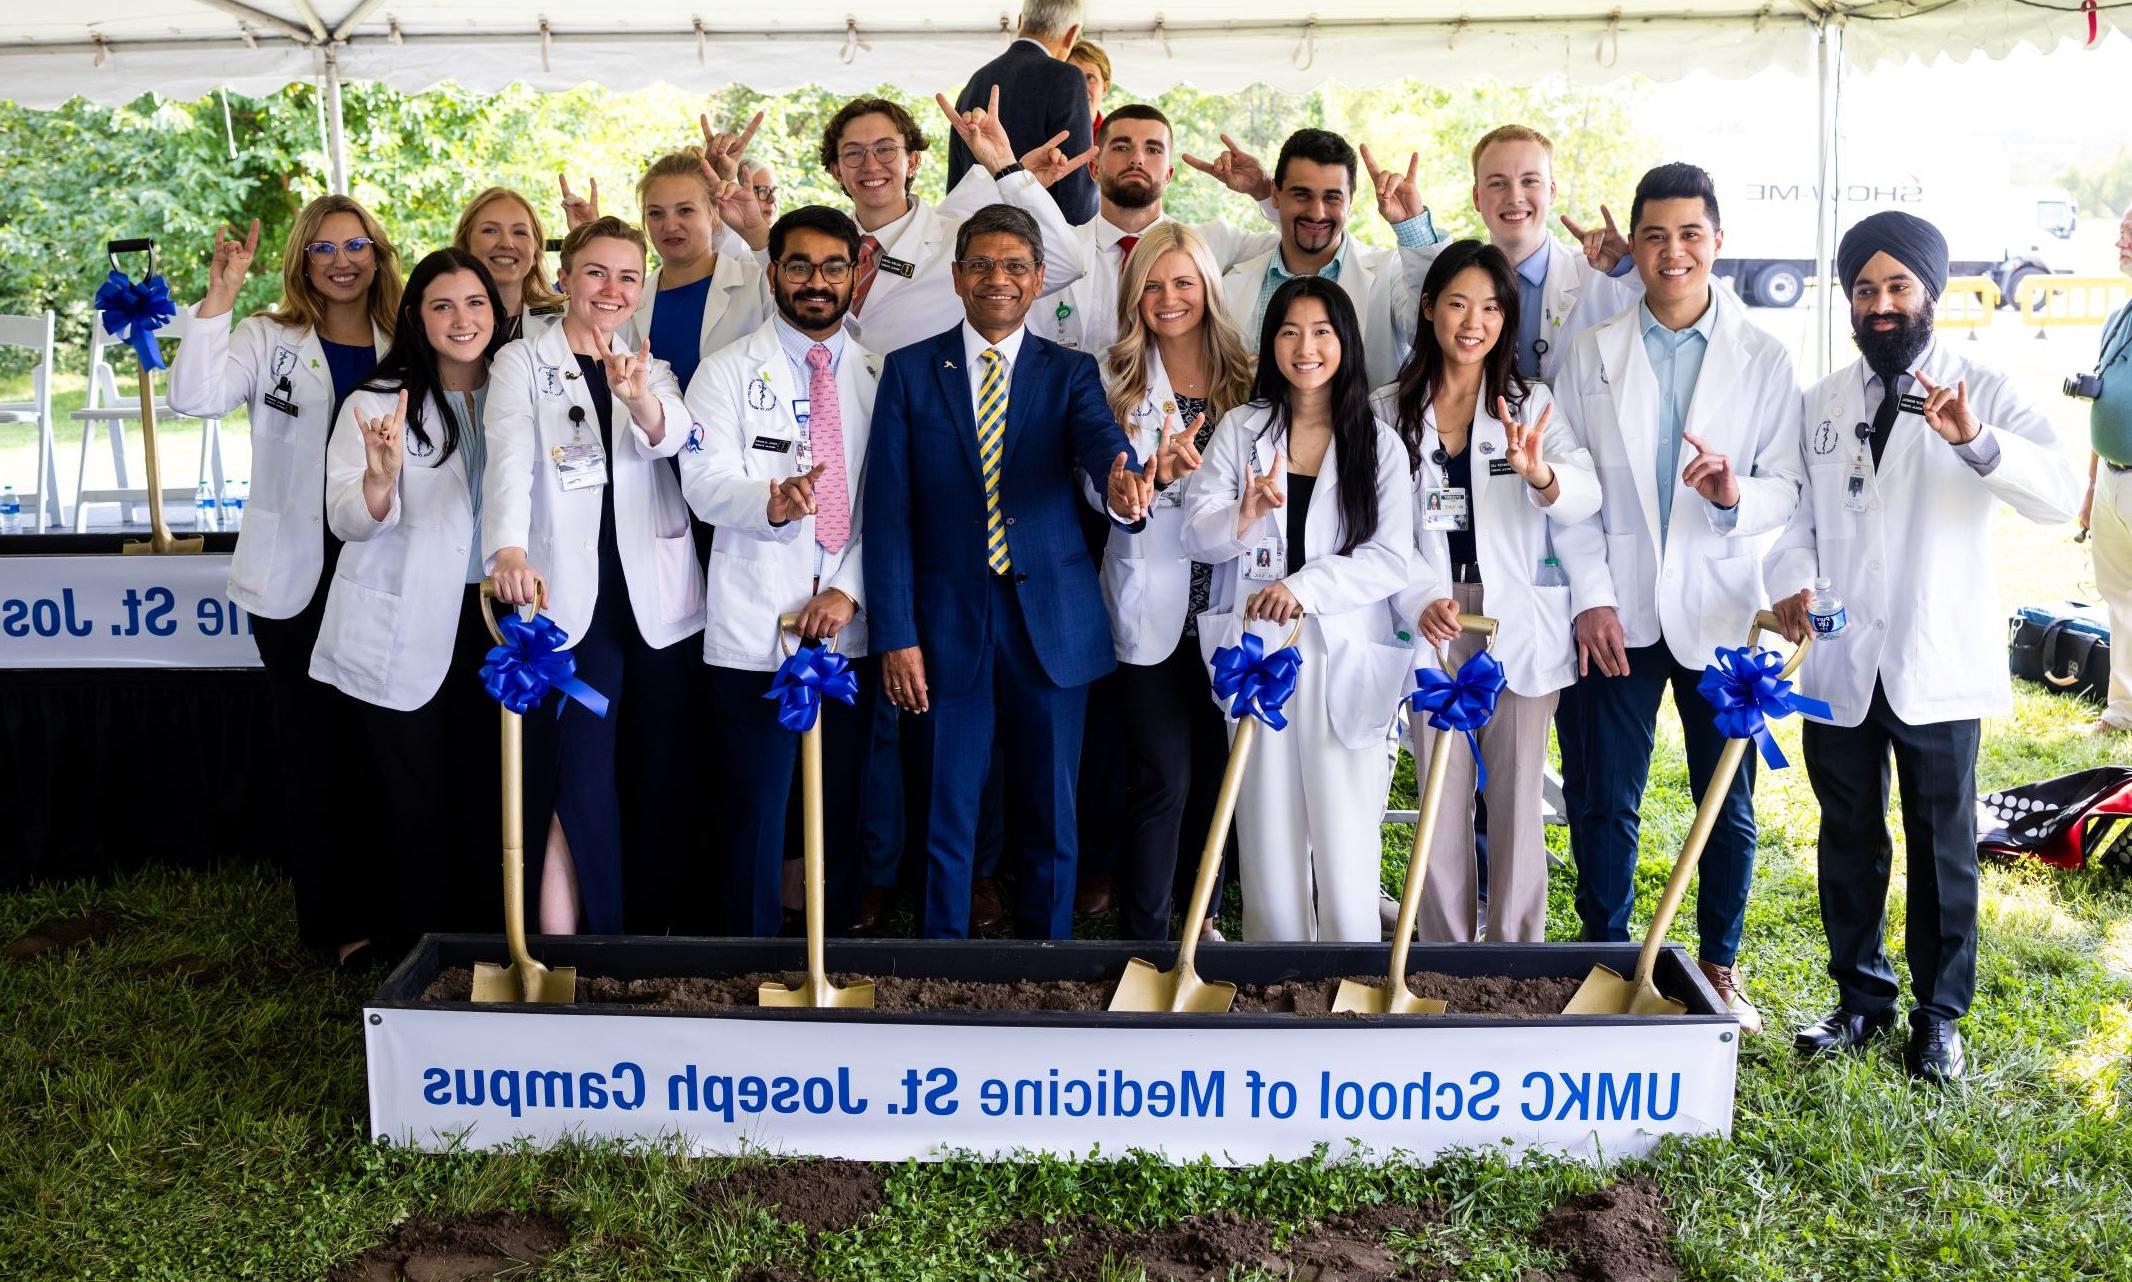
83 174
2102 187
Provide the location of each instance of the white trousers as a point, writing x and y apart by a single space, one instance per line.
1308 823
2110 529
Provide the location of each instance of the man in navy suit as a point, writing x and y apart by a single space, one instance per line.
984 604
1046 96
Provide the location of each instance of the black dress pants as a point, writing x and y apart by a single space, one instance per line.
1936 765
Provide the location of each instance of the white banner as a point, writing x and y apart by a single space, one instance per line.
121 612
893 1091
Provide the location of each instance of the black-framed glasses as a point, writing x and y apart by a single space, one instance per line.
766 193
354 247
884 151
1016 268
798 271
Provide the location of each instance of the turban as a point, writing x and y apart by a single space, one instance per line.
1906 238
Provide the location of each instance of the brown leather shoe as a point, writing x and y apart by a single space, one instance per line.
1094 899
986 910
873 903
1726 980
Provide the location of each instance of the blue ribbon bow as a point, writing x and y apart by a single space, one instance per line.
135 310
1257 683
1464 702
531 661
1744 688
813 674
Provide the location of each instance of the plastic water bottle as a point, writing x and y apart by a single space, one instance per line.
1551 574
244 498
232 506
10 511
203 509
1826 613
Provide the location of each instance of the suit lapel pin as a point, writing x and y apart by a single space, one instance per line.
947 365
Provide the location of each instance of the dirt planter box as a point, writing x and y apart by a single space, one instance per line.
925 1084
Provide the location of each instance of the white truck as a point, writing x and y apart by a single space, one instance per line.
1993 229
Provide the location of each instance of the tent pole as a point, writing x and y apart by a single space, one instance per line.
1828 61
336 139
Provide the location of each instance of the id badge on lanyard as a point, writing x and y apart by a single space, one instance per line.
1858 478
581 463
1444 507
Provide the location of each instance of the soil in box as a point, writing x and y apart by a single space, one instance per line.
1496 995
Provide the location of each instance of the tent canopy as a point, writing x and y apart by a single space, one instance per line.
115 50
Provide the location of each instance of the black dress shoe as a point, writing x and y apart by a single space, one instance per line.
1842 1030
1935 1050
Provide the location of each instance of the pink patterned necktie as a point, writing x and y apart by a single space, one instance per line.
825 438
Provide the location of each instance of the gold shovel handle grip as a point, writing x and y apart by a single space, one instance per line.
489 600
788 626
1766 621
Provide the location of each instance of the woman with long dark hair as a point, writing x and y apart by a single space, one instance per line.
1495 471
403 633
1301 503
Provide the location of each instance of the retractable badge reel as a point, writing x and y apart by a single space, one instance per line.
1859 481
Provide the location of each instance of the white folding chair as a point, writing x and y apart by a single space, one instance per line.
35 333
107 408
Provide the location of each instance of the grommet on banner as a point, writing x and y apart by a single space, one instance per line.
852 43
701 40
1162 35
103 50
392 30
1458 33
547 37
1761 20
1306 49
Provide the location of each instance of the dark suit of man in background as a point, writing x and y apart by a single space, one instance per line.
1045 96
984 604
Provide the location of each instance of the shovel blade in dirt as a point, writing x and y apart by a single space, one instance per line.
1359 997
857 996
531 982
1182 991
1604 991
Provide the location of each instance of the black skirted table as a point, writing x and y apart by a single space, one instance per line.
135 724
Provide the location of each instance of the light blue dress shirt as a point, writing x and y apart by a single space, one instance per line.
1532 307
1677 362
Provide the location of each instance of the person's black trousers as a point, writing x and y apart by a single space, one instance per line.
318 734
1173 743
1936 765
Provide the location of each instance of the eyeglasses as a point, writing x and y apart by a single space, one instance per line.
884 151
1014 267
766 193
354 248
798 271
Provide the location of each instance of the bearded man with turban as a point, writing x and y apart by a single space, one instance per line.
1908 451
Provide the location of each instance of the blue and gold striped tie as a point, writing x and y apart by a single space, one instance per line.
991 438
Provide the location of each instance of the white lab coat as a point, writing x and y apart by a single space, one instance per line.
392 612
737 305
1346 598
1147 578
281 548
1513 535
1575 296
759 571
1914 569
533 383
1085 318
1374 280
1702 588
902 309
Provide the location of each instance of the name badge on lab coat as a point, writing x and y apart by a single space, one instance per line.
580 465
1267 562
1444 508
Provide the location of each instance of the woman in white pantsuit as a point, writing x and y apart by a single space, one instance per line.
1302 503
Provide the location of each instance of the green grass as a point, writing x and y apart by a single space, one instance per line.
159 1128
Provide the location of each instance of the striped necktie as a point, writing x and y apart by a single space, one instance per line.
991 437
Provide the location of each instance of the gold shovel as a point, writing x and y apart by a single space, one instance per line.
817 991
1180 989
1604 992
1356 997
160 540
523 980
